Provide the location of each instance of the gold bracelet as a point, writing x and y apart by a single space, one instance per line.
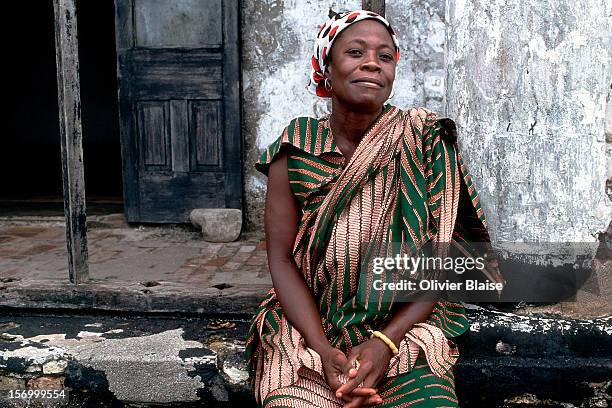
387 341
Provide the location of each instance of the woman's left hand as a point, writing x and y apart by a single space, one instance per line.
373 356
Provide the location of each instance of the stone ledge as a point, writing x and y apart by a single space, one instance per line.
149 297
507 360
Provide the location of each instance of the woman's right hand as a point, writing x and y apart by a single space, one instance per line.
333 361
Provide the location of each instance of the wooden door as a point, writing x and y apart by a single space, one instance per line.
178 69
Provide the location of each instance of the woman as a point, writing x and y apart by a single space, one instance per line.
368 173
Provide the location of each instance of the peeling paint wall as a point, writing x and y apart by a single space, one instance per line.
277 41
420 73
527 86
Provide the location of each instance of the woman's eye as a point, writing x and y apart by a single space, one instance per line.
386 57
354 52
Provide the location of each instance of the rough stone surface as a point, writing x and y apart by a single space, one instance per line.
11 383
527 86
608 132
421 73
218 224
145 369
54 367
137 368
34 368
506 360
46 383
235 368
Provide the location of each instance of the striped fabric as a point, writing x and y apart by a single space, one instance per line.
401 188
417 388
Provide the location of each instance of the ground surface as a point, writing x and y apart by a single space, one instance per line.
35 249
121 360
164 317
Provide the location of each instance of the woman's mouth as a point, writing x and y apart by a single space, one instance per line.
368 82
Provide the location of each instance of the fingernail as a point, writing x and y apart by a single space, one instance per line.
339 394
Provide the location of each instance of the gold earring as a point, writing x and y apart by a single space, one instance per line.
327 85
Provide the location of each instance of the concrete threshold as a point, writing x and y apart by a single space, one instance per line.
133 297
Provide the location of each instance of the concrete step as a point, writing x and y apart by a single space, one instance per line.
124 359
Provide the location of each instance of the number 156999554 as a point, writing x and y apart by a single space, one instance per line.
37 394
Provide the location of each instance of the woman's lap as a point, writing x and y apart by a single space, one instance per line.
419 388
310 391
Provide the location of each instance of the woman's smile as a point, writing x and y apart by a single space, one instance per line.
362 67
368 83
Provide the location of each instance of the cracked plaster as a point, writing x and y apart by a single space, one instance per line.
526 85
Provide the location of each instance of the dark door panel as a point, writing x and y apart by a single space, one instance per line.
178 72
158 195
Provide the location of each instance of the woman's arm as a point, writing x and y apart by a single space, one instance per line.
281 222
405 317
374 355
281 219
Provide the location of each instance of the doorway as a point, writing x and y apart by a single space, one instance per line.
30 156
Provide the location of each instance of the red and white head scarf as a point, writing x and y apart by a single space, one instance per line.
325 39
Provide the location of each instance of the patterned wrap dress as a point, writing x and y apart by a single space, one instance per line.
402 185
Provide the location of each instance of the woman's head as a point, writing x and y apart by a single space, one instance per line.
355 58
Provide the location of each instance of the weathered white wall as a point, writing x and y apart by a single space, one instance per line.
277 41
278 37
420 73
527 85
608 132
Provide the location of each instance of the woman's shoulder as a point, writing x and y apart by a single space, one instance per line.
303 134
306 133
428 120
425 114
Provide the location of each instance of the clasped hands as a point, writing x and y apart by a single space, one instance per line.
373 356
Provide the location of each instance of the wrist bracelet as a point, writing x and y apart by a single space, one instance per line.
386 340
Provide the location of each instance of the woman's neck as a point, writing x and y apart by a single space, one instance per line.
349 126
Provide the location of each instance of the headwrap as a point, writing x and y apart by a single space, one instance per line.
325 39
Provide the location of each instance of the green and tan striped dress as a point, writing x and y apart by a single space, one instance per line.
402 186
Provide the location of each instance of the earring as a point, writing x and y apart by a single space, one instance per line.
327 85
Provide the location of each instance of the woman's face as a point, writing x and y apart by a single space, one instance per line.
362 67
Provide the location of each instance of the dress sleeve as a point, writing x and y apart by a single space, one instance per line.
292 137
269 155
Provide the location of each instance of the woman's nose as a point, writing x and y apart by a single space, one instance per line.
370 63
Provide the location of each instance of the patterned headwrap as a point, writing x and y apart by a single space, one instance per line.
325 39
